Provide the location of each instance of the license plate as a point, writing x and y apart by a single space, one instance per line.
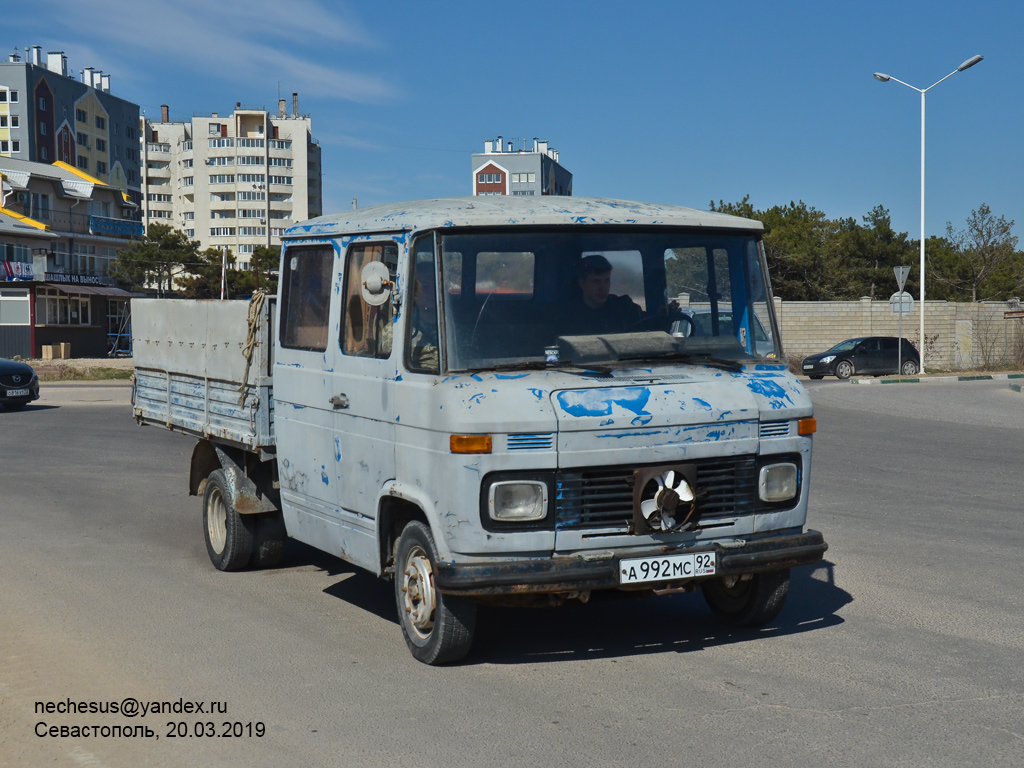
808 367
666 567
17 393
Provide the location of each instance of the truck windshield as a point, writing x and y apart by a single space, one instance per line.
600 296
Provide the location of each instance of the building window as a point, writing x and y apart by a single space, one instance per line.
42 129
83 140
255 143
100 122
101 145
221 161
81 116
253 178
130 175
222 178
222 231
187 163
15 121
188 181
189 215
222 214
3 121
15 146
252 231
283 162
14 97
101 167
251 213
190 233
214 128
246 248
252 195
221 143
250 160
83 163
42 104
286 180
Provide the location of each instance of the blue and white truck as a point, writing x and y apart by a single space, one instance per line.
503 400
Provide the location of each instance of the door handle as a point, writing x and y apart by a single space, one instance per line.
340 401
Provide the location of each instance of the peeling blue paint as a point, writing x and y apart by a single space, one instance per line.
509 375
323 475
337 449
606 423
477 398
599 402
704 404
640 421
723 414
538 393
770 390
619 435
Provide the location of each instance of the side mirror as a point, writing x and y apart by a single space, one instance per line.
376 283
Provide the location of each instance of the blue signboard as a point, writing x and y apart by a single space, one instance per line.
101 225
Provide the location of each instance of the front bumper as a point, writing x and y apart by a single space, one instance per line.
600 570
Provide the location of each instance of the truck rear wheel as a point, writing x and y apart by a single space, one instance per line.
229 535
438 628
750 603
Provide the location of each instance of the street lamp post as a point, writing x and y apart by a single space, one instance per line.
883 78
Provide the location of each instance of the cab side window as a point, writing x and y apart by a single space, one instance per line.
306 298
366 330
421 352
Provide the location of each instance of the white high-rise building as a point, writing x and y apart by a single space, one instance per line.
237 181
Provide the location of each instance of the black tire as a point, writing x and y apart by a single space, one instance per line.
229 535
268 541
751 603
844 369
909 368
438 628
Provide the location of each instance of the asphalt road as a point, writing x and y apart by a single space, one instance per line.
903 649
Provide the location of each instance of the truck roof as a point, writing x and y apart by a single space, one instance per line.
505 210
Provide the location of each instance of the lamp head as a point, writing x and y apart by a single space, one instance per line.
882 78
969 63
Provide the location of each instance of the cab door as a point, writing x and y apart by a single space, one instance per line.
304 416
362 390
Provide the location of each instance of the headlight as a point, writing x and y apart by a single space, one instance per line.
518 501
778 482
827 359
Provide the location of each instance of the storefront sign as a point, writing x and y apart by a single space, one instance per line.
56 277
16 270
101 225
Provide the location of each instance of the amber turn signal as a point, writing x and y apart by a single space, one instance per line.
470 443
807 426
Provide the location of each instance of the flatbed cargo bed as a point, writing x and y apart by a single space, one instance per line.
191 369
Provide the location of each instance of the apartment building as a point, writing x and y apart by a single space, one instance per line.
507 170
235 181
60 230
48 115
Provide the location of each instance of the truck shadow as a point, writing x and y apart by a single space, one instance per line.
613 627
610 625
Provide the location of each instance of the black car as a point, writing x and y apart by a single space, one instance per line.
19 384
869 355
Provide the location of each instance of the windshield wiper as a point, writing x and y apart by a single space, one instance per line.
698 358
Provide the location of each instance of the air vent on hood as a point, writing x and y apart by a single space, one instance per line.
538 442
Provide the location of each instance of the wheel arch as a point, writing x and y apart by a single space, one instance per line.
251 481
397 507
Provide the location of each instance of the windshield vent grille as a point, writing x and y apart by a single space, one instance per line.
539 442
775 429
596 498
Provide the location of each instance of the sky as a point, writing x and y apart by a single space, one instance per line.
678 102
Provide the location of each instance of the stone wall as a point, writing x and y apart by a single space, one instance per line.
959 336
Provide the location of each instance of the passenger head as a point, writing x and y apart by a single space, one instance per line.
594 274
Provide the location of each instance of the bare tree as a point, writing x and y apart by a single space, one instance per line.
983 252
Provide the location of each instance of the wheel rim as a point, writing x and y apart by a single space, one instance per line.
909 369
216 521
419 599
844 371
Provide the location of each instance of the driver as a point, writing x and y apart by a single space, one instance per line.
597 310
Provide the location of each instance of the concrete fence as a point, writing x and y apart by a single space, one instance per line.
958 336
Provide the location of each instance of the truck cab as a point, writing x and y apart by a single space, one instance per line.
510 399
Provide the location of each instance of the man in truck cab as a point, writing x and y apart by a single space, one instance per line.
597 310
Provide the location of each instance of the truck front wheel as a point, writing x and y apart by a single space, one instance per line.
747 603
229 535
437 628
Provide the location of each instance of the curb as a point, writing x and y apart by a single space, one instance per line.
945 379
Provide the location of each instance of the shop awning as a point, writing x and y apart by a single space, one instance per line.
98 290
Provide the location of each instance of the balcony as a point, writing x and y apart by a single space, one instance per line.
159 147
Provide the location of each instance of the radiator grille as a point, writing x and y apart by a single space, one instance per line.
539 442
774 429
596 498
